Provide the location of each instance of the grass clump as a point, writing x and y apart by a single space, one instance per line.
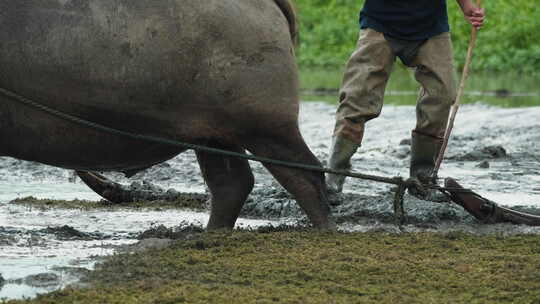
316 267
194 201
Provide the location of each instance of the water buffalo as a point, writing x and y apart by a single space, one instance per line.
216 72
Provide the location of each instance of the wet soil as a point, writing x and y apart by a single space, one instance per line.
493 151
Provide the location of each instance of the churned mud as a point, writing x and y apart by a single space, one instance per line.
493 151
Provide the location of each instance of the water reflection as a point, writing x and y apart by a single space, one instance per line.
498 89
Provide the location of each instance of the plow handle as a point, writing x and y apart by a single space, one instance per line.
455 106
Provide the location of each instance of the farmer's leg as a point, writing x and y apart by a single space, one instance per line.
360 99
435 72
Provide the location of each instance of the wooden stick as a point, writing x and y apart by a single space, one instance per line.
455 106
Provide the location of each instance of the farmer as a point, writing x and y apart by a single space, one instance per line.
417 32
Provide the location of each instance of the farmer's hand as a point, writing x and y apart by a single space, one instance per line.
475 15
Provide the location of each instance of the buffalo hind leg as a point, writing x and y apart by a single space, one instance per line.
307 187
230 181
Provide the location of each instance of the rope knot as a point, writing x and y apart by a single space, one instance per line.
416 187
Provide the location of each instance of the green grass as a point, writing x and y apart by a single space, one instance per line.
316 267
509 41
507 56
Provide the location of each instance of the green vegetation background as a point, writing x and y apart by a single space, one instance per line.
509 41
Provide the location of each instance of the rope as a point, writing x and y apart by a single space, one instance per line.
398 181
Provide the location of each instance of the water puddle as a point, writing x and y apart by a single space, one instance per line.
36 258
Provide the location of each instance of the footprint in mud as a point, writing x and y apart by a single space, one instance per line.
489 152
66 232
7 238
47 279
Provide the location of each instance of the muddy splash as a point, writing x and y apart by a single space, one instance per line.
493 151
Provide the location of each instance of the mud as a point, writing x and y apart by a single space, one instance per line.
493 151
65 233
490 152
147 191
183 231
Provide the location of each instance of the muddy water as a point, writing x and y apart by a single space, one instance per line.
30 243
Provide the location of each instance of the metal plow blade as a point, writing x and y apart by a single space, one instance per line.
485 210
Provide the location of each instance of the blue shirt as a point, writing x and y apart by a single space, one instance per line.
406 19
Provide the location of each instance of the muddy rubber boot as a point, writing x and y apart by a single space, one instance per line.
424 153
340 159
